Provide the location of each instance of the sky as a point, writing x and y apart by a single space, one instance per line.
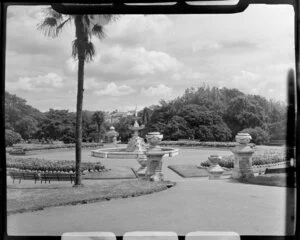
146 58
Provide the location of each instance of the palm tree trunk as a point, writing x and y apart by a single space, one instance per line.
80 34
79 120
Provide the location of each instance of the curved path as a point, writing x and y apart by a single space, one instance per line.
192 205
189 206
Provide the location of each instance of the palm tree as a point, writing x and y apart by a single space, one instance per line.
83 50
98 117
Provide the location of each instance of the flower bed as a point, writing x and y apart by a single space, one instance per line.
258 159
35 147
187 143
38 164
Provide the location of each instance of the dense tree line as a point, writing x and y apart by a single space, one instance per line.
203 113
213 114
29 123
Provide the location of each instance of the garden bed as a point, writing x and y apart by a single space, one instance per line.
37 147
190 143
39 164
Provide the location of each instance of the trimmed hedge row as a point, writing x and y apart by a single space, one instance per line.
38 164
197 143
50 146
257 160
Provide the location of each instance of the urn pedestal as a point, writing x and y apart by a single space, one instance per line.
215 170
243 157
154 157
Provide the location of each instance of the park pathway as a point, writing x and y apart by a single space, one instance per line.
196 204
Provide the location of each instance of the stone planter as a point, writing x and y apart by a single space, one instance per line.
154 138
215 170
154 157
243 157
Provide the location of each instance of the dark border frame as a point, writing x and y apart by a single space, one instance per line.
118 7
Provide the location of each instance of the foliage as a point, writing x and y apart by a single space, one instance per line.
258 159
11 137
37 164
35 147
189 143
259 136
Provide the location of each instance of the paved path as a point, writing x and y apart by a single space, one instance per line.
189 206
193 204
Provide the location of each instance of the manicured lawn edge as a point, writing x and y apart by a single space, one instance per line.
274 180
106 197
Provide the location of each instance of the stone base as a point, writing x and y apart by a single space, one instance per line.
157 177
238 174
142 171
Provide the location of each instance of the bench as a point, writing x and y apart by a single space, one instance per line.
48 177
24 175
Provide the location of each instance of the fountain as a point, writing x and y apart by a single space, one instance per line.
136 148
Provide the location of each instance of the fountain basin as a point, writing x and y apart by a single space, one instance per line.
121 153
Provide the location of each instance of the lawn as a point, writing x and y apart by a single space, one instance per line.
28 196
278 179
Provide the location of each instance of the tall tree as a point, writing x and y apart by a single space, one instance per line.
98 118
83 50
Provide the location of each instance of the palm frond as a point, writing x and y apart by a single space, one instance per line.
98 31
75 47
53 23
48 26
89 51
61 25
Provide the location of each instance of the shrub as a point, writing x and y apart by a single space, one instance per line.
258 159
11 137
38 164
259 136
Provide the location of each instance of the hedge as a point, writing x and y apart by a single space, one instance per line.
38 164
50 146
188 143
258 159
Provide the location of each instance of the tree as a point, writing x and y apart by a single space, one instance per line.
26 127
83 50
98 118
11 137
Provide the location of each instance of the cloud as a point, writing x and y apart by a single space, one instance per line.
115 91
160 90
246 76
47 82
136 29
121 62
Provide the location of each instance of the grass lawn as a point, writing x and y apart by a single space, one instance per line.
278 179
28 196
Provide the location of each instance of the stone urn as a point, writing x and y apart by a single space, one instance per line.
214 159
243 138
154 138
215 170
154 157
243 156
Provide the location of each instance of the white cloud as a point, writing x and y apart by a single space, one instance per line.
37 83
133 61
113 90
135 29
160 90
246 76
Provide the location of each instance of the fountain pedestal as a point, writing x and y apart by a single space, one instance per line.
243 157
154 157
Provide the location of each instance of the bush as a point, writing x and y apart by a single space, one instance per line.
38 164
190 143
11 137
258 159
259 136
